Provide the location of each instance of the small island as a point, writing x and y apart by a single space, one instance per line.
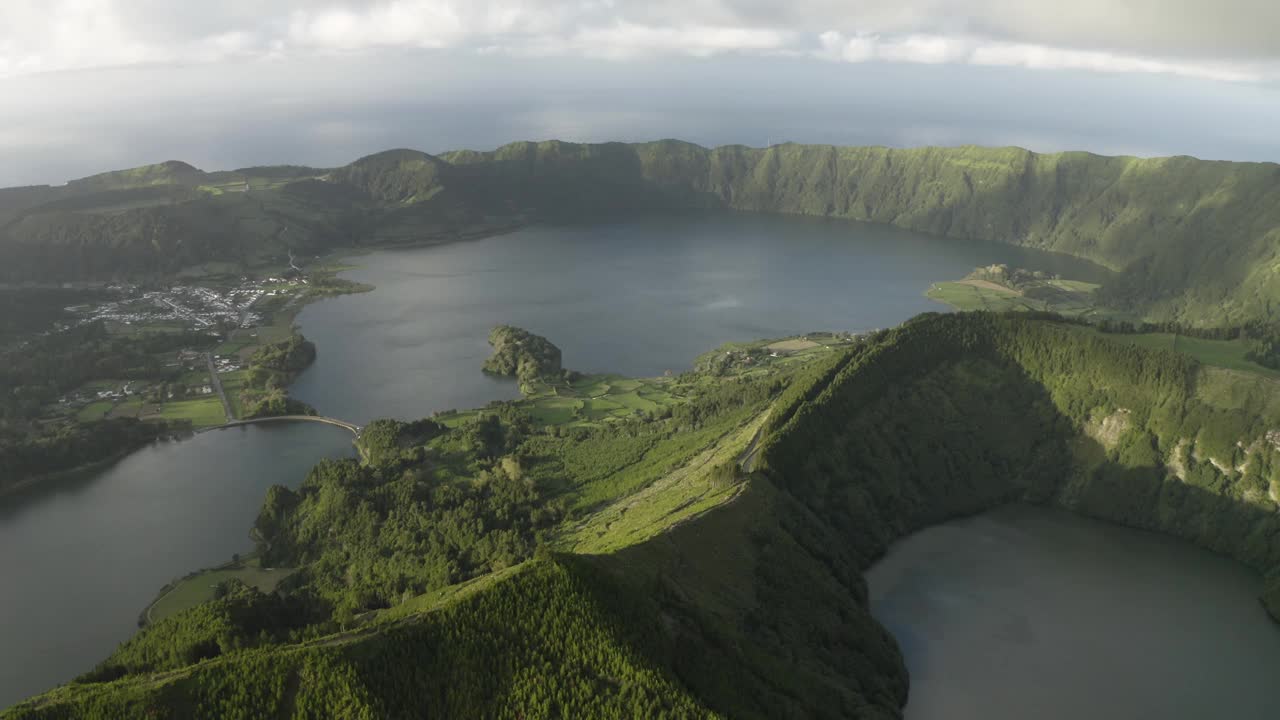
528 358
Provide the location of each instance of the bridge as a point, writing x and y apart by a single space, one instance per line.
353 429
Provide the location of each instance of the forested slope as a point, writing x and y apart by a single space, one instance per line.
1193 239
495 569
1136 436
156 220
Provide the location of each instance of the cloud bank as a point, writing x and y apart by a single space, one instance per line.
1227 40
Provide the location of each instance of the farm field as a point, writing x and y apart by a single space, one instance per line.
206 411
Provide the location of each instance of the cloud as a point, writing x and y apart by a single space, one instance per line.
1231 40
396 24
938 49
625 39
327 110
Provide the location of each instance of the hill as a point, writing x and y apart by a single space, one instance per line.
1190 240
520 354
649 566
155 220
171 172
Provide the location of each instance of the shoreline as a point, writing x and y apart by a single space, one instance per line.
89 467
337 256
290 314
144 617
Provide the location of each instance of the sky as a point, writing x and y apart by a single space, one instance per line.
94 85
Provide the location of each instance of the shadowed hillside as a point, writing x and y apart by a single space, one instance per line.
1192 240
701 562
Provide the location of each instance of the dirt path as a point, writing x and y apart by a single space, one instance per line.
747 460
988 285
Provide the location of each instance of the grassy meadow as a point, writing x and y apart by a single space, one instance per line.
198 588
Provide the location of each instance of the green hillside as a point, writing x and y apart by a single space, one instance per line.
1191 240
648 565
396 177
172 172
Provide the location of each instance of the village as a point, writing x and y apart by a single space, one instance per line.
231 318
192 306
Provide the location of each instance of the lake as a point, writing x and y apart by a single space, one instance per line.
636 296
1027 612
82 557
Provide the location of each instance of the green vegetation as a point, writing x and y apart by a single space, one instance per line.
383 442
1263 344
95 411
172 172
58 374
264 386
37 435
33 310
1230 354
205 412
619 547
62 448
646 562
1189 240
1252 347
207 585
444 530
238 617
397 177
520 354
997 288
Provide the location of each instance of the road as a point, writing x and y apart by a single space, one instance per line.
216 382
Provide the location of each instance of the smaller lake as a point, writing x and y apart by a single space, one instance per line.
82 557
1027 612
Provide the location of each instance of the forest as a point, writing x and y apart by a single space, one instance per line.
439 574
522 355
271 368
38 371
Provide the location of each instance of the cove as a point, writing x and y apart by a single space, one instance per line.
82 557
1028 612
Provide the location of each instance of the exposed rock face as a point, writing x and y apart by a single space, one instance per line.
1108 429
